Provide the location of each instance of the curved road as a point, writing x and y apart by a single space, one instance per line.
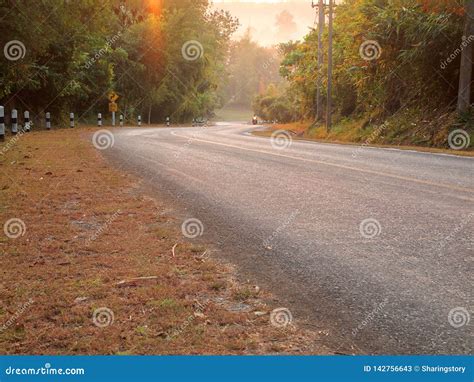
373 246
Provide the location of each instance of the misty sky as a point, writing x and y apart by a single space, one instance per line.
271 21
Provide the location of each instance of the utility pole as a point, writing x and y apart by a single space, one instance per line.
465 72
329 94
321 22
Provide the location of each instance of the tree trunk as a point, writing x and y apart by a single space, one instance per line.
465 73
149 111
321 21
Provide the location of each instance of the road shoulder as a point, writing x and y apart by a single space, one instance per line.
298 131
99 267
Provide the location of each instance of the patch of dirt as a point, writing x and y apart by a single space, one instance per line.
103 269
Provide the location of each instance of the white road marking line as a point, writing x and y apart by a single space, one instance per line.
372 172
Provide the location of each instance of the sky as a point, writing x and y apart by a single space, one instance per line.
271 21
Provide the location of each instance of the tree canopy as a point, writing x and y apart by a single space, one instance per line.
391 57
164 58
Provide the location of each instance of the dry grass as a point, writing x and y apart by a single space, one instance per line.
88 227
350 133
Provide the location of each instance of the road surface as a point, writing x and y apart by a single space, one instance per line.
371 246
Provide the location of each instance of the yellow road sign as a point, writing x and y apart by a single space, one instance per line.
113 96
113 107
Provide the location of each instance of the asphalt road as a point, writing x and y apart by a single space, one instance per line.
290 219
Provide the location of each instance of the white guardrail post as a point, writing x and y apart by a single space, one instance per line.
14 121
48 121
26 119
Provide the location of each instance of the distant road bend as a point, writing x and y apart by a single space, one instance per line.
374 245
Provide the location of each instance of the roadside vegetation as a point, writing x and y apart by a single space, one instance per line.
92 265
163 57
402 88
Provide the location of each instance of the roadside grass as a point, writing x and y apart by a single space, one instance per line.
95 240
399 134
